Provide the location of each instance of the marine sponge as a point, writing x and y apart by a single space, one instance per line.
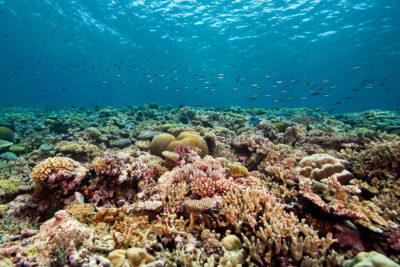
6 134
320 166
160 143
191 139
51 165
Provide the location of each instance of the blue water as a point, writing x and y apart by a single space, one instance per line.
212 53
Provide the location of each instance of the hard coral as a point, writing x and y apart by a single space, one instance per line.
160 143
72 147
51 166
341 201
191 139
133 257
319 166
6 134
252 143
370 259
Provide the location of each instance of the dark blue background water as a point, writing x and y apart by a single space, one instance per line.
247 53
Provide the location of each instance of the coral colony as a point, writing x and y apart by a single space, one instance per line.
163 186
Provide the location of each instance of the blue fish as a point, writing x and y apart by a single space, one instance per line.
254 120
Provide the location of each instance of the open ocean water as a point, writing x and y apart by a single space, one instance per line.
177 133
220 53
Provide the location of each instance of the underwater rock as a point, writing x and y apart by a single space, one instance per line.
147 135
121 142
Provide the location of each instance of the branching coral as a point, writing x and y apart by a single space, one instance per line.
271 235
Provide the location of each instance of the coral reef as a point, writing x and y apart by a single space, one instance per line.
165 186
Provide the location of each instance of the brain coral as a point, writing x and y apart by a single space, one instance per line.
160 143
320 166
51 165
191 139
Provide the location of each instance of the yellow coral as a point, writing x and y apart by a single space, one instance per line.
41 171
10 186
73 147
191 139
160 143
237 170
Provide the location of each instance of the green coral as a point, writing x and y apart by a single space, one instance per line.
95 154
279 125
77 119
10 186
16 149
33 251
364 130
168 126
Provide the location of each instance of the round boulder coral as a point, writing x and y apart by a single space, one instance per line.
160 143
133 257
6 134
191 139
231 242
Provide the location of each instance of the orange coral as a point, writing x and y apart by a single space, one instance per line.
51 165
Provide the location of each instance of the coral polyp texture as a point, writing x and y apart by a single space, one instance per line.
50 166
163 186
